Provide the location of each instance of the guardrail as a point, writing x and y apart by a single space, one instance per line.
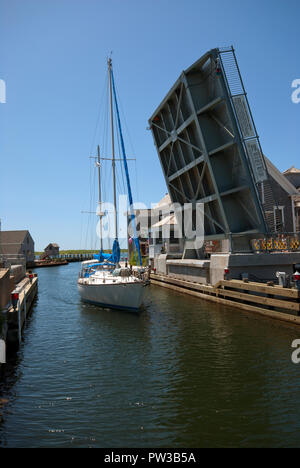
85 256
289 242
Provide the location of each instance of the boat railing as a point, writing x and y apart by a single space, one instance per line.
89 270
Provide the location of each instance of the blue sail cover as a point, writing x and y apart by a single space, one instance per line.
114 257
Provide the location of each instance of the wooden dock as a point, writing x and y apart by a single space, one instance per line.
58 261
270 301
16 317
13 317
45 263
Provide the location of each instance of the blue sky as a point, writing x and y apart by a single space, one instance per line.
53 60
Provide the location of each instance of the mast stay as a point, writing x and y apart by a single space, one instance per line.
132 215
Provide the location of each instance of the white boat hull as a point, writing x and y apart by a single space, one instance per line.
125 295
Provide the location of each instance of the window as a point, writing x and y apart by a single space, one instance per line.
279 224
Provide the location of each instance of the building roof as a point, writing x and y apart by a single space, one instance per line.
165 201
292 170
12 237
280 178
53 245
168 220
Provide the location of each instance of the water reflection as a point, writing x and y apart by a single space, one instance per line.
183 373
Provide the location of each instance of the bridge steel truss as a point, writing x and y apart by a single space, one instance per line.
209 149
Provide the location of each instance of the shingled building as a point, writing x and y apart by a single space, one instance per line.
293 175
14 243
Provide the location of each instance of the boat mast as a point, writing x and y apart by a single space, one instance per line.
109 62
100 198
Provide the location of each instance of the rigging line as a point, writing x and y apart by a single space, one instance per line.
120 167
136 240
104 151
81 233
127 131
136 180
104 171
99 110
88 219
87 231
124 120
106 195
105 125
91 168
91 203
92 207
107 168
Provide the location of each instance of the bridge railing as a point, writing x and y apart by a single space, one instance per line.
288 242
84 256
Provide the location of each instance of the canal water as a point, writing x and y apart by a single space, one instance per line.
184 373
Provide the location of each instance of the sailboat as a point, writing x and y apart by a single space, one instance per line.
103 281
